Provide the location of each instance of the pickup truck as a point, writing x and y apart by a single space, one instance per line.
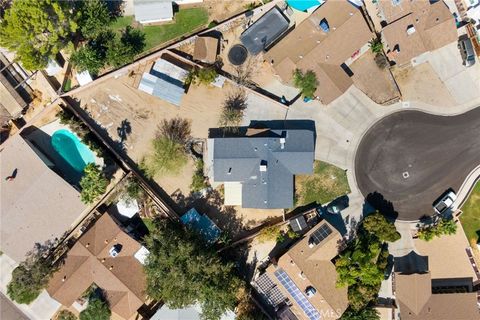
445 203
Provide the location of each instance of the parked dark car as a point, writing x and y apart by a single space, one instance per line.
337 205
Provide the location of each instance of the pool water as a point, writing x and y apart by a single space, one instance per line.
304 5
72 150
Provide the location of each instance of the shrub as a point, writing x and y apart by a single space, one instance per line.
307 82
270 234
376 45
97 309
381 60
31 276
168 157
212 24
132 189
203 76
93 183
176 130
198 180
65 315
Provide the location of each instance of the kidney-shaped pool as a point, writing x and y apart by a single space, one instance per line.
72 150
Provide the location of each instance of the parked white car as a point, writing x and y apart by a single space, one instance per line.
445 203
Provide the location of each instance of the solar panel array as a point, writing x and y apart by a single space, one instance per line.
270 290
297 295
320 234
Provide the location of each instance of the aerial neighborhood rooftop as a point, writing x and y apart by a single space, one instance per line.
221 160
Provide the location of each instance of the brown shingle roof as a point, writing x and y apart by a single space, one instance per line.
308 47
89 262
10 100
434 27
318 271
206 49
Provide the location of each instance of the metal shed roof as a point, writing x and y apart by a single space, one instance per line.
161 88
147 11
264 31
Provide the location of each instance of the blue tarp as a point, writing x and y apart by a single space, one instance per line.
202 224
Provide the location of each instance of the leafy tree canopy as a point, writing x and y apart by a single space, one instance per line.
182 271
378 225
37 30
307 82
93 183
442 227
123 51
94 18
376 45
367 313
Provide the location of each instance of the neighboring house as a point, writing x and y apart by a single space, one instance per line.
421 296
206 49
263 32
415 27
188 313
327 42
36 203
303 280
165 80
152 11
258 169
11 103
109 258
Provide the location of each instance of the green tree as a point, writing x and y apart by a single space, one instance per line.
97 309
93 183
94 18
442 227
32 275
198 180
65 315
203 76
377 224
37 30
376 45
88 59
123 51
367 313
307 82
182 271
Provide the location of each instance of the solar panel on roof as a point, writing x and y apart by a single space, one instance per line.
297 295
298 224
320 234
270 290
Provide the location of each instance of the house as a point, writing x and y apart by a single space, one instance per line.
206 49
165 80
37 204
189 313
258 169
420 295
109 258
327 42
303 280
265 31
11 103
415 27
152 11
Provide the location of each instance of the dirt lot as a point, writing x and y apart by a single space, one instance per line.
421 83
219 10
376 83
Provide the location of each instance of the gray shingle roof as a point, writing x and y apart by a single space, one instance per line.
239 159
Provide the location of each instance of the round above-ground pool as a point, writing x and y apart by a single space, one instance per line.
72 150
304 5
237 55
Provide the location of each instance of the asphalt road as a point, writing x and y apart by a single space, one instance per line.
9 311
408 159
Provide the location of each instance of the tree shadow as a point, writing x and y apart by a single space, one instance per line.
378 202
124 130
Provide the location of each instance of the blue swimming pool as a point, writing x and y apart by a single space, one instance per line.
72 150
304 5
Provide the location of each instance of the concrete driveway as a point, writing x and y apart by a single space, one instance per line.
462 82
408 159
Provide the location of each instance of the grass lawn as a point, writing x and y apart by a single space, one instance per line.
470 218
185 21
327 183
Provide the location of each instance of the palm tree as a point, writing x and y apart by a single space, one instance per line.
376 45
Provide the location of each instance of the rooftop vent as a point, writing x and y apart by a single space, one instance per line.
302 275
115 250
324 25
263 166
410 30
282 143
310 291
